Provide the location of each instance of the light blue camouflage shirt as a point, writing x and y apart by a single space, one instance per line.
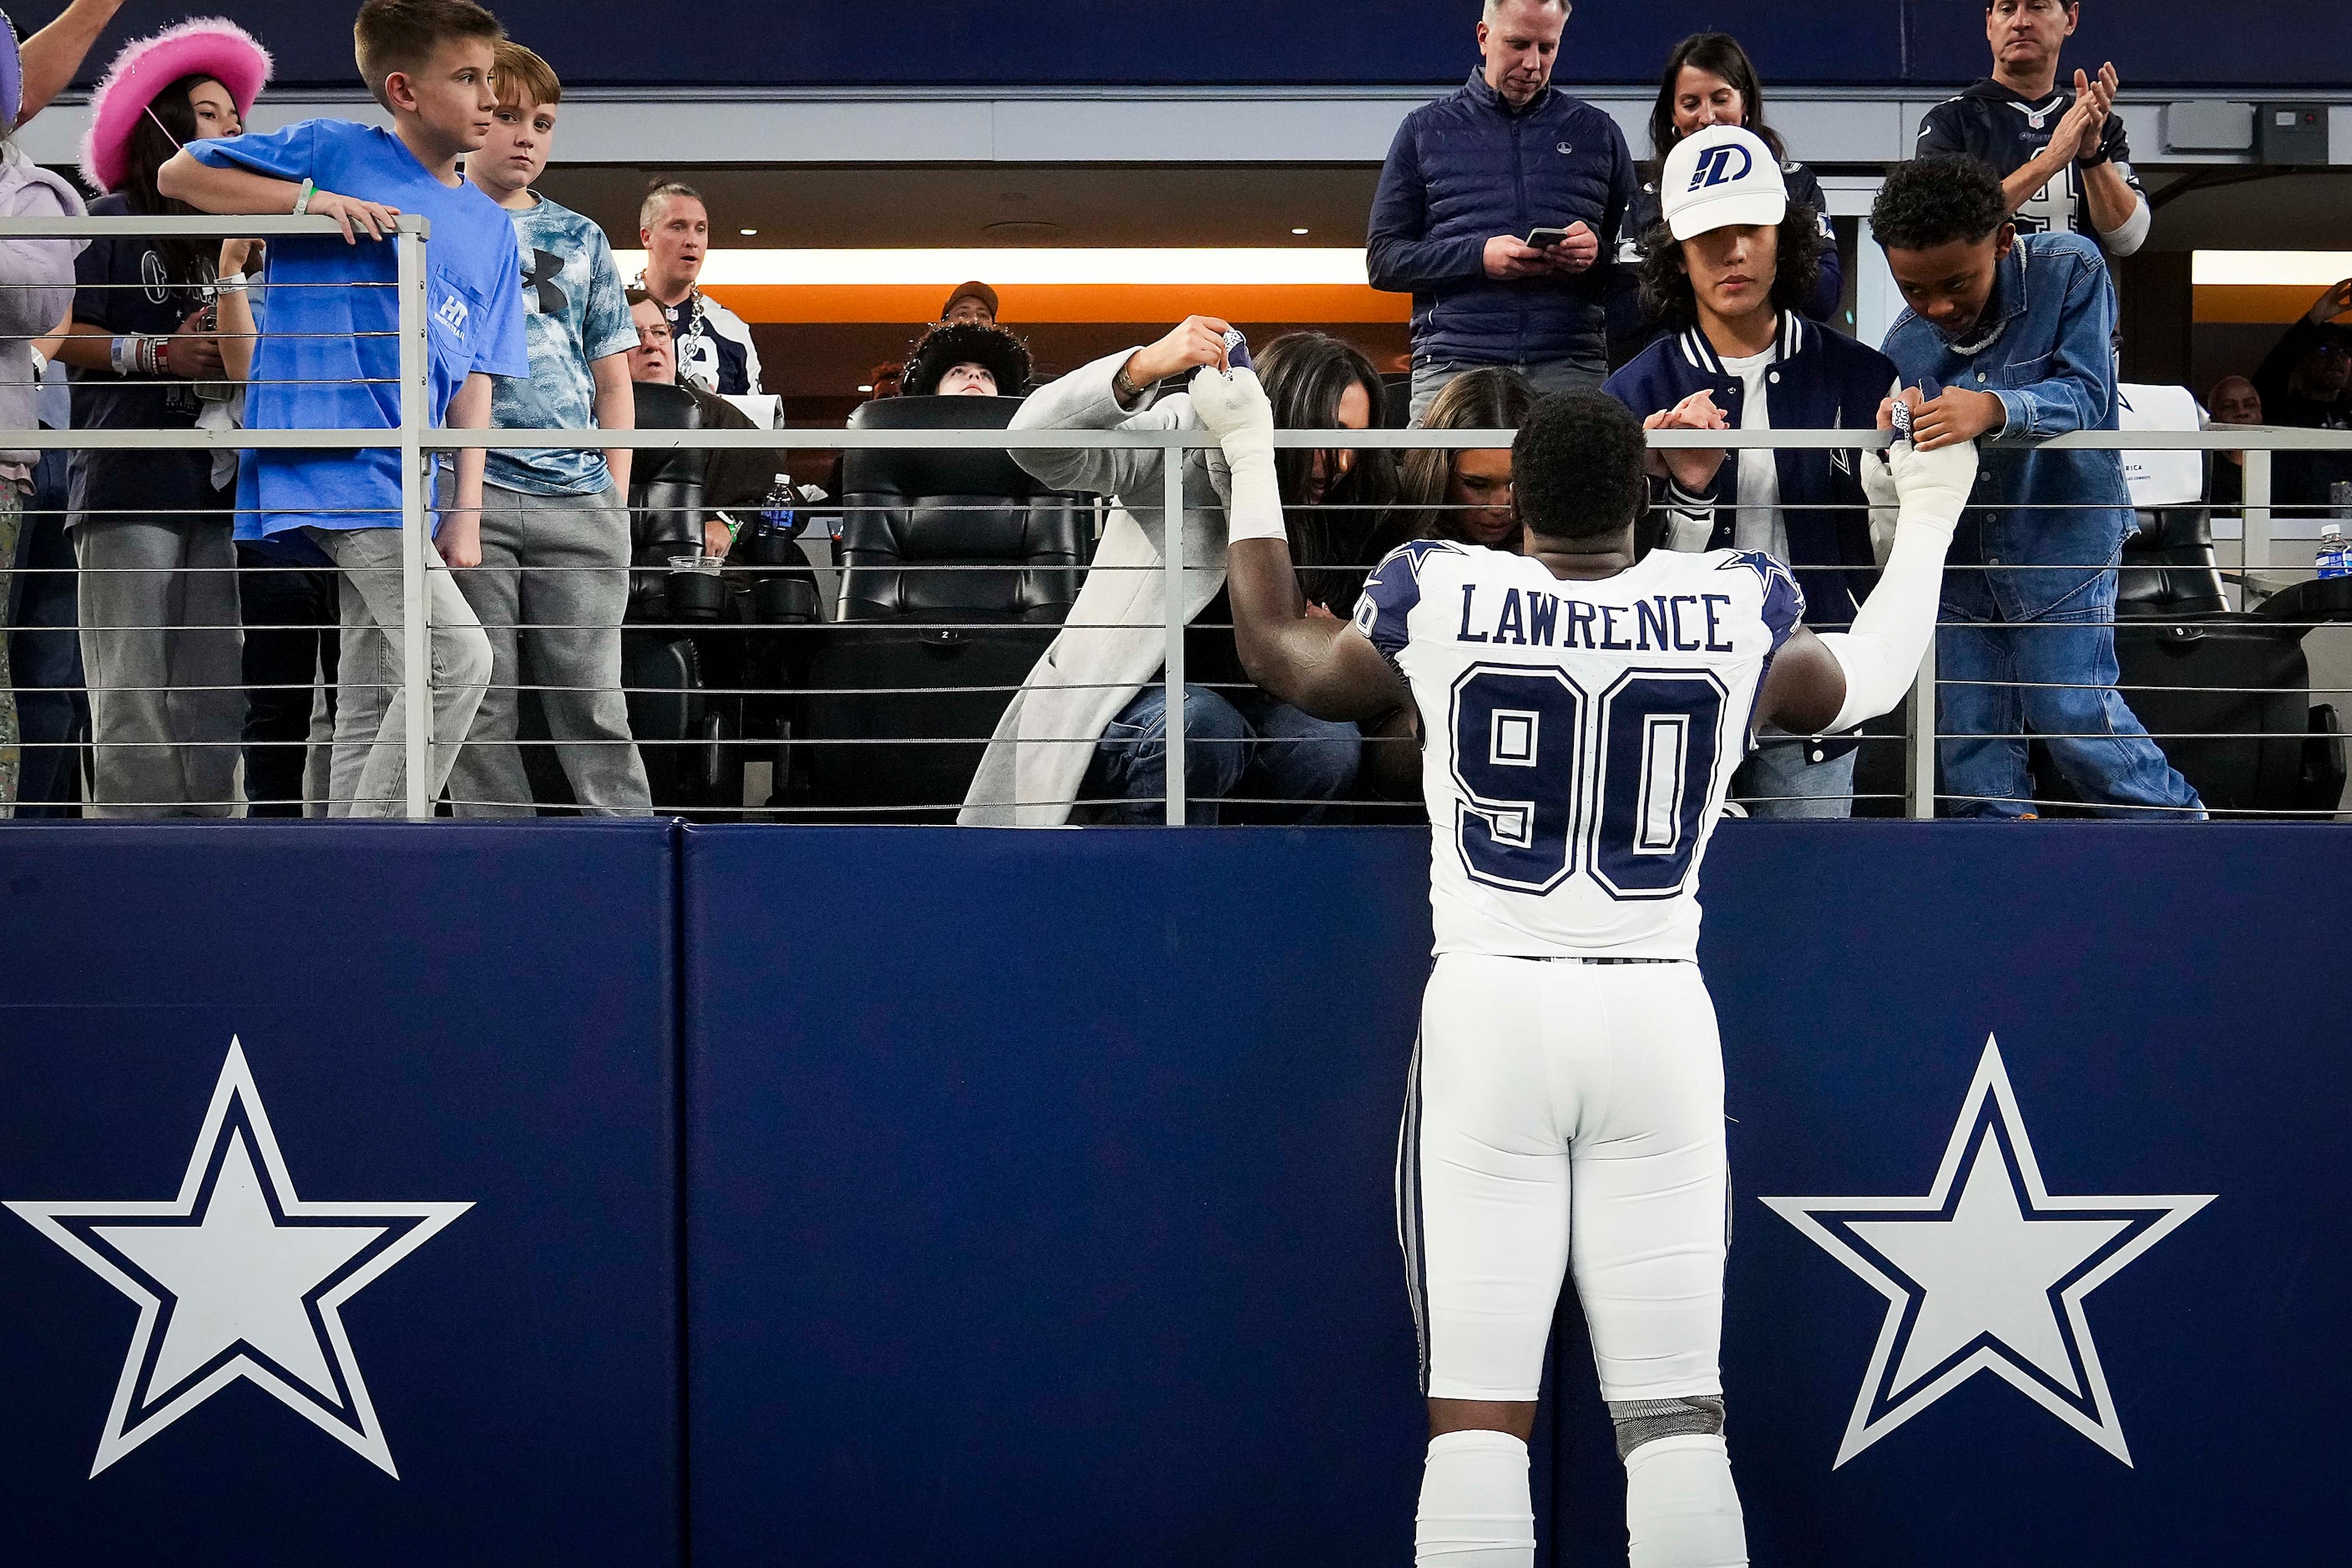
575 312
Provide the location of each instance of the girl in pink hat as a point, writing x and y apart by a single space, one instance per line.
161 649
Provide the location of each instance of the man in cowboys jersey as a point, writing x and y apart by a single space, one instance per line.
712 344
1581 713
2060 152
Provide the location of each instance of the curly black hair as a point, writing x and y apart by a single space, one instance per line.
1576 467
1935 200
1666 292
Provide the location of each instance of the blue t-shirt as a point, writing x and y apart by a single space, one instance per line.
575 312
332 358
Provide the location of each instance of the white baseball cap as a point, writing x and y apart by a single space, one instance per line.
1718 176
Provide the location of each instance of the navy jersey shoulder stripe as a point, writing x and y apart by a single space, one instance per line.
1393 590
1784 601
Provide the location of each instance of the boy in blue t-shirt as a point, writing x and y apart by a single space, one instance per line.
554 578
331 359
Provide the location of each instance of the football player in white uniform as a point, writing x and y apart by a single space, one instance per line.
1581 713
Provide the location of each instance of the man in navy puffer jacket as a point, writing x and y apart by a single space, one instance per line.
1468 179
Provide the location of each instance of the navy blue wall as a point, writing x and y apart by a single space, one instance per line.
1322 42
478 1015
1046 1176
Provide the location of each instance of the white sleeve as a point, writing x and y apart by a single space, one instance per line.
1881 654
2126 238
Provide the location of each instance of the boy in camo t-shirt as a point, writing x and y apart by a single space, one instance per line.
555 523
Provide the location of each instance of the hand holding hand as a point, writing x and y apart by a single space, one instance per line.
1195 339
1954 416
1230 403
1509 256
1693 469
1932 484
352 214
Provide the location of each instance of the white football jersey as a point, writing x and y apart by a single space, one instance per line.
1577 738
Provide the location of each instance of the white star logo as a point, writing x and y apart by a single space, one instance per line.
238 1277
1986 1273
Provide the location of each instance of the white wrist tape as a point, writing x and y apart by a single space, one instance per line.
1881 654
1256 509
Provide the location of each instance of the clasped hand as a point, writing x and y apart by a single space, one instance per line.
1691 469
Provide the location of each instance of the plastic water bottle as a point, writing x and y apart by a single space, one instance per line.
776 511
2335 560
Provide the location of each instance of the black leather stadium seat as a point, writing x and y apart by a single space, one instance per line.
917 524
2227 695
956 568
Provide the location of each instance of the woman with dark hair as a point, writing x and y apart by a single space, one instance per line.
1738 260
1709 80
153 532
1462 495
1090 723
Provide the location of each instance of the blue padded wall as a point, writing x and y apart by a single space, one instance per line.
429 1016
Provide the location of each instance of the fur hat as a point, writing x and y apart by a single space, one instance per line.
967 342
205 46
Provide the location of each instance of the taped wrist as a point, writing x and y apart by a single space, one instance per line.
1881 654
1255 509
1640 1421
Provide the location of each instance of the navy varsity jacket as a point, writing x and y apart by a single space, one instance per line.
1823 381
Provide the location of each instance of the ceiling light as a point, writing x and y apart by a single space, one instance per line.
1298 231
747 233
2282 269
1028 265
866 387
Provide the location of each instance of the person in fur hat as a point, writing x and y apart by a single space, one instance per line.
966 359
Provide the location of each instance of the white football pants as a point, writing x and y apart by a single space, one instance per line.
1565 1118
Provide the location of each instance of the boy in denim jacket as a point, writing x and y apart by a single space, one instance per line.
2012 336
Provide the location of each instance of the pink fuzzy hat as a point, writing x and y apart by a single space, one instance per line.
204 45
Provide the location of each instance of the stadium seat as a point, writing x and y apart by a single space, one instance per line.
2227 694
956 569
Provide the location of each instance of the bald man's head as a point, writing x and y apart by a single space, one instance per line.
2234 401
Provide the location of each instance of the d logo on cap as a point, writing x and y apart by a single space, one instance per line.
1715 167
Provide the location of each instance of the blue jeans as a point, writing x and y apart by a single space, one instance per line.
2054 673
1777 784
1248 745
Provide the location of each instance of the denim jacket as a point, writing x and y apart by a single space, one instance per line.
2045 348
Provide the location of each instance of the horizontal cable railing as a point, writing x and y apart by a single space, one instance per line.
764 654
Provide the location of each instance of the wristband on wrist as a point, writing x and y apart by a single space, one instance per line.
232 284
136 354
302 202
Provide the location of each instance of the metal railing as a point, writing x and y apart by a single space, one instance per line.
415 444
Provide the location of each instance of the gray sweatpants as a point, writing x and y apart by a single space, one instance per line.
369 777
164 658
551 590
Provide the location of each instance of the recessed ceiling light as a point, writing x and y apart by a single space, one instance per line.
868 387
1298 231
747 233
